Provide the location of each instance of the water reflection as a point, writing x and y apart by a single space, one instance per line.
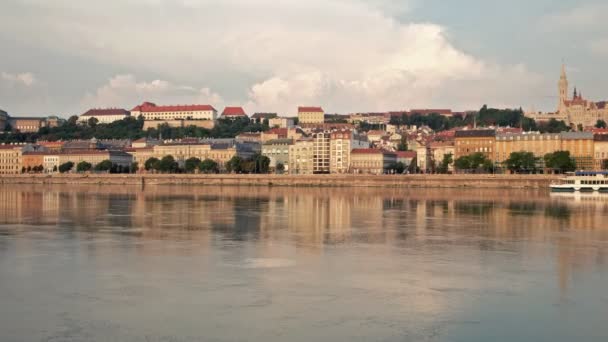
384 252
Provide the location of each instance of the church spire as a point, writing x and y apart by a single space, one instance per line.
575 94
563 75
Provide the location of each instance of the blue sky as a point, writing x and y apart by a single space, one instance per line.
65 56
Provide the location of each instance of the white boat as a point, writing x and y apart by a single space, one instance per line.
582 181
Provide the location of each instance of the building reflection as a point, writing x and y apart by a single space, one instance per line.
313 220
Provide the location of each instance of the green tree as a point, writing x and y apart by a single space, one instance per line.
444 166
235 164
66 167
402 144
73 120
553 126
280 168
397 167
580 127
93 122
29 169
600 124
134 167
474 162
560 161
168 165
55 168
209 166
83 166
152 164
521 162
258 164
192 164
104 165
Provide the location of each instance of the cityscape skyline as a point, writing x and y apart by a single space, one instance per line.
269 57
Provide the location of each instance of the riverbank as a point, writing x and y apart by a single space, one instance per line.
387 181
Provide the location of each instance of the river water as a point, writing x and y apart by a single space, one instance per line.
106 263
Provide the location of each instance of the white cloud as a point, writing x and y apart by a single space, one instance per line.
26 79
126 91
273 56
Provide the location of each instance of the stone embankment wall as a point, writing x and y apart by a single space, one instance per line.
391 181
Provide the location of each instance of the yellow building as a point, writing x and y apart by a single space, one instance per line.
311 115
580 145
600 148
371 160
10 160
537 143
301 155
473 141
94 157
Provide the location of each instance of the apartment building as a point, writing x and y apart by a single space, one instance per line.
371 161
10 159
321 152
537 143
475 141
278 152
301 155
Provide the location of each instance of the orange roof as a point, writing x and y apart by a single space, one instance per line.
367 151
234 111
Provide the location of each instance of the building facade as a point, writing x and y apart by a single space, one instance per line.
600 148
371 161
534 142
301 155
104 116
475 141
10 160
151 111
311 115
278 152
321 152
580 145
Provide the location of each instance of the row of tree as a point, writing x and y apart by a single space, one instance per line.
167 164
132 128
103 166
518 162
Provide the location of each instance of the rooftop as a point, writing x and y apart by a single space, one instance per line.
475 133
234 111
106 112
149 107
310 110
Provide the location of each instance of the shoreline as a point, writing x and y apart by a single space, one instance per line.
383 181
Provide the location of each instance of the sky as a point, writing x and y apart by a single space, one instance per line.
63 57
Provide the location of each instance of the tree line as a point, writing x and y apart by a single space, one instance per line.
257 164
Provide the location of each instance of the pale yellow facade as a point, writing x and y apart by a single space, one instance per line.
311 116
301 157
600 148
10 160
538 144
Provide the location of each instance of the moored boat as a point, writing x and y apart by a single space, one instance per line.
582 181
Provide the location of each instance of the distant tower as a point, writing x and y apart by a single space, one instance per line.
563 90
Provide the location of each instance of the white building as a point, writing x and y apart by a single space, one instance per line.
104 116
151 111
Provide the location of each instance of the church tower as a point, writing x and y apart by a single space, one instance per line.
563 91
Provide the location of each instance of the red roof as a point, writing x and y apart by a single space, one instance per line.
150 107
310 109
234 111
278 131
107 111
406 154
